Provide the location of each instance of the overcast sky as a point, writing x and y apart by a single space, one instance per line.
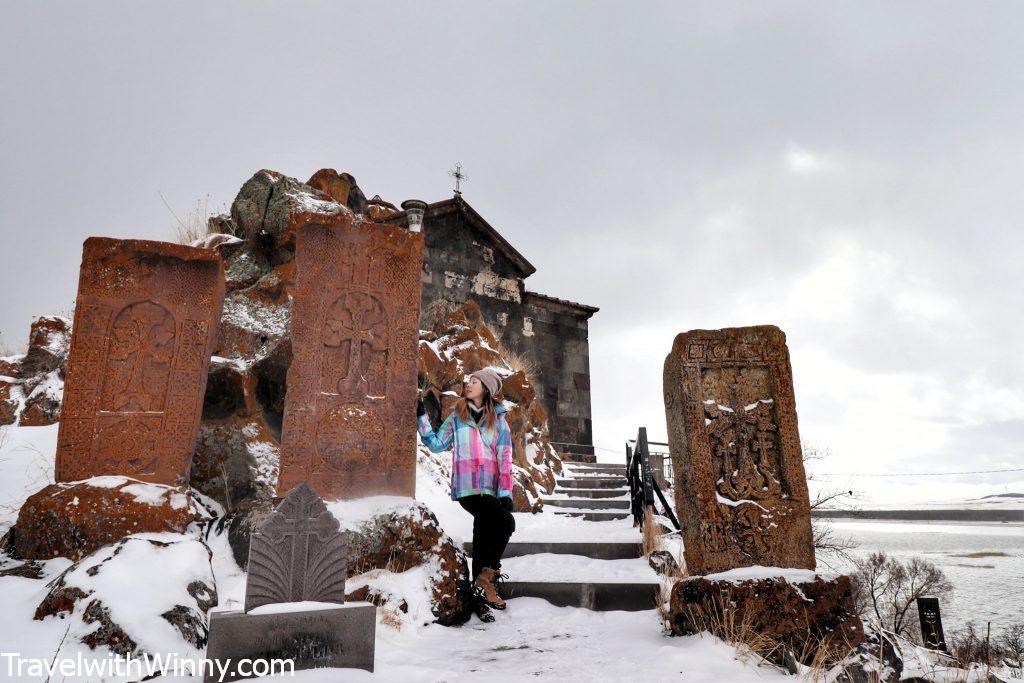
847 171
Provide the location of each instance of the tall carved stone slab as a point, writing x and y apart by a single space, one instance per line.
352 381
146 318
741 489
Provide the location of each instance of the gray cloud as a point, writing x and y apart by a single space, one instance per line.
848 171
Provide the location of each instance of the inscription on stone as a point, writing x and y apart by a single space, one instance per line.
146 317
735 446
352 381
297 554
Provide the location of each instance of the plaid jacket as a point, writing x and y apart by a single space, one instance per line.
481 457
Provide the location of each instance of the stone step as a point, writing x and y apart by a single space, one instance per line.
593 493
587 503
595 550
592 483
594 516
593 468
600 597
578 458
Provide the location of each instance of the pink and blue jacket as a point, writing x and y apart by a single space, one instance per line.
481 458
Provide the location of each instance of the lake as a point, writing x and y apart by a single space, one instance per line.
984 562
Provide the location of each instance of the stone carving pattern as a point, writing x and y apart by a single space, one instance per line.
297 554
352 380
137 367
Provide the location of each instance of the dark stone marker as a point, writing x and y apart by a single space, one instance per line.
931 623
352 381
297 555
740 487
146 319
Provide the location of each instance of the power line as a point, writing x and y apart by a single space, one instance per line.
918 474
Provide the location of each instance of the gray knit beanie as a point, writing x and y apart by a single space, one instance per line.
490 379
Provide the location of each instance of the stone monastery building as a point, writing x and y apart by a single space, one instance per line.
466 258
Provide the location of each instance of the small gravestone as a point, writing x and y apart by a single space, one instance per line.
931 623
741 490
295 597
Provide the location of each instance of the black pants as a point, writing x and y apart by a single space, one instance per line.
492 527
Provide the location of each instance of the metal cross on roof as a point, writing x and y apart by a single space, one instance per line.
459 176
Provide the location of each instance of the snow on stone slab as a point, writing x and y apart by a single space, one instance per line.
575 568
535 640
757 572
303 606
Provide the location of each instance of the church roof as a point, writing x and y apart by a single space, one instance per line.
458 204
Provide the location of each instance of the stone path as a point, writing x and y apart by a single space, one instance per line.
582 569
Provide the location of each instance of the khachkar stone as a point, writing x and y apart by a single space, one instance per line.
297 554
294 599
352 381
146 318
732 426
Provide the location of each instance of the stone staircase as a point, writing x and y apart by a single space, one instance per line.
600 575
595 492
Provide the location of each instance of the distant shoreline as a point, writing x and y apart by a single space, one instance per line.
925 515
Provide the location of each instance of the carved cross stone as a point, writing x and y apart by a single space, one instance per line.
297 554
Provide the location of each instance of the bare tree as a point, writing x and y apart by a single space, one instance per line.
888 589
827 543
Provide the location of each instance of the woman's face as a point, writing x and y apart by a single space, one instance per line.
474 390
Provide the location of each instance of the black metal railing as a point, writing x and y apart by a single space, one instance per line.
643 488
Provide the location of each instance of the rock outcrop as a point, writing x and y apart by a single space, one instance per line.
32 384
146 594
461 343
795 612
74 519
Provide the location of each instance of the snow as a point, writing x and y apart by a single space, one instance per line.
757 573
572 568
26 465
304 606
534 640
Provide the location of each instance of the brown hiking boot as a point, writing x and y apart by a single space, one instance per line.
485 582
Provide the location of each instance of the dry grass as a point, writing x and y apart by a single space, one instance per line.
194 225
720 620
391 617
520 363
651 534
975 556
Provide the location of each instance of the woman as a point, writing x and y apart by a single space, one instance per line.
481 477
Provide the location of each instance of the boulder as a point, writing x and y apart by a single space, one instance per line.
663 562
236 459
145 594
795 610
340 187
877 660
74 519
407 537
32 384
270 206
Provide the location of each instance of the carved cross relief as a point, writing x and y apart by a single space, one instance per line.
742 434
355 335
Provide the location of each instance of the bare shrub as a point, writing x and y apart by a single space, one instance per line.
887 590
194 225
827 543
